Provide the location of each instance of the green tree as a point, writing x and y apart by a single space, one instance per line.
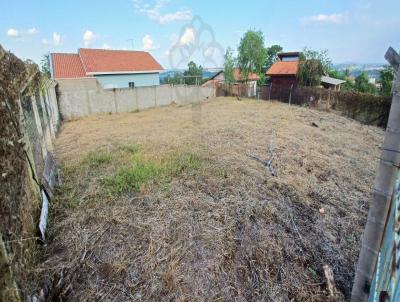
194 74
348 85
337 74
229 66
45 65
252 54
313 64
176 78
386 79
362 84
272 55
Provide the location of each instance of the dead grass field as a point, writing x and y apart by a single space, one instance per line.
168 204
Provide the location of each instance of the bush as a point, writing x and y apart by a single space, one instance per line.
363 107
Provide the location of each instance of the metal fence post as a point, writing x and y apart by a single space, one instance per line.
270 89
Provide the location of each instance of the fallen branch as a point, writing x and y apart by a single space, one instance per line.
267 163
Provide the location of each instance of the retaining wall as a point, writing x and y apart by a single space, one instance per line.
85 96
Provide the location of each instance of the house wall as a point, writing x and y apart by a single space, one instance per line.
220 77
280 86
122 80
284 81
85 96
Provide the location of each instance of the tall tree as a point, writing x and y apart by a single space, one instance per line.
342 75
313 64
45 65
272 55
386 79
229 66
362 84
252 54
175 78
194 74
321 56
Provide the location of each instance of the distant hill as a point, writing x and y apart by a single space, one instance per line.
372 69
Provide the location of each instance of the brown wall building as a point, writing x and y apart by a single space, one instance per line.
282 75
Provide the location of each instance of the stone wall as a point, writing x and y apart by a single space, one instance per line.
85 96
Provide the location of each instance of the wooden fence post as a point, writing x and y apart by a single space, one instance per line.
290 95
382 194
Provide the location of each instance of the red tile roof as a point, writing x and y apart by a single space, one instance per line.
251 77
283 68
67 65
89 61
103 60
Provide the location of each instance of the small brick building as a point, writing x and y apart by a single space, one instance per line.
282 75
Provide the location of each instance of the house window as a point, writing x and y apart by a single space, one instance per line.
131 84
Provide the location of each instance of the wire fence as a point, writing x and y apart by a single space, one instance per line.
248 90
366 108
40 122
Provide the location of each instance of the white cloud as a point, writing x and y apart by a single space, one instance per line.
148 43
323 18
55 41
154 12
32 31
188 36
88 37
12 32
178 15
21 33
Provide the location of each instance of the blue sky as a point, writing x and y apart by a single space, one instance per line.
351 30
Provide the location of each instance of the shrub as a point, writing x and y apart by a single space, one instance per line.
363 107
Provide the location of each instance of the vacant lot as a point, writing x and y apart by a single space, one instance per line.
174 204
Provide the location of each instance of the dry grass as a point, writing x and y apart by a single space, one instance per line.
207 222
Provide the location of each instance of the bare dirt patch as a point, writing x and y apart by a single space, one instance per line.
198 218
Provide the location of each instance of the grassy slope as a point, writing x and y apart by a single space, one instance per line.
168 204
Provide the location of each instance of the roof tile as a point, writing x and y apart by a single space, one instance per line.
283 68
104 60
67 65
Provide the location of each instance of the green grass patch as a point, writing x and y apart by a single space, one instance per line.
184 161
130 148
142 170
130 179
97 158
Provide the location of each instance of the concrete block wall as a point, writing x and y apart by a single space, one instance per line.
85 96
